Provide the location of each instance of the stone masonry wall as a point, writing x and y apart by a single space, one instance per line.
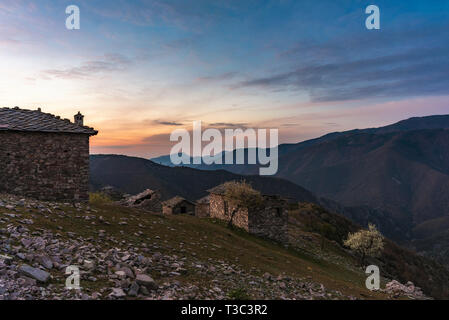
220 209
202 210
189 207
45 166
271 221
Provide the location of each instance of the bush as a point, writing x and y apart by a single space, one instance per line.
99 198
241 195
366 243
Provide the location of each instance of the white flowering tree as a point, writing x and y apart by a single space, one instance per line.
367 243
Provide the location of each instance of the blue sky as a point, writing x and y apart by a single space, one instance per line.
139 69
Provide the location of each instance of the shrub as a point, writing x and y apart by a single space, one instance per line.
99 198
241 195
366 243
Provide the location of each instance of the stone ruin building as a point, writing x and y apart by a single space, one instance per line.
178 205
149 200
202 208
270 221
43 156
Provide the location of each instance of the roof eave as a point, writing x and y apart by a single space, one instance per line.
92 133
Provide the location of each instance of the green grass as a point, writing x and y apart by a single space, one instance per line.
205 239
239 294
99 198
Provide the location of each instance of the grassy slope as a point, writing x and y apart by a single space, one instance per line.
205 239
395 262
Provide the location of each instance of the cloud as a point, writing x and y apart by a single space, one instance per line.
108 63
189 123
228 125
191 15
221 77
290 125
10 6
413 73
167 123
409 62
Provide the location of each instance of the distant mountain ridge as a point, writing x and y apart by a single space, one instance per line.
414 123
396 176
399 172
133 175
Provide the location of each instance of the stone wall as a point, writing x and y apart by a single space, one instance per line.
202 210
45 166
183 207
221 209
271 221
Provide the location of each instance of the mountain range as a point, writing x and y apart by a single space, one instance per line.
395 176
133 175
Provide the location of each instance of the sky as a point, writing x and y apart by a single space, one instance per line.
140 69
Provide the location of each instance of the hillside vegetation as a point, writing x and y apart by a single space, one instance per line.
395 262
127 253
133 175
396 177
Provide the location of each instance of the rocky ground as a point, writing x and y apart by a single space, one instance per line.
396 290
39 240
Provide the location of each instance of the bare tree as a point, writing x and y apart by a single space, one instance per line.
241 195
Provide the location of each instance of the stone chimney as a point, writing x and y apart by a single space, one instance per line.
79 119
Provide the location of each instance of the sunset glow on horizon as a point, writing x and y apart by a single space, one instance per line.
138 70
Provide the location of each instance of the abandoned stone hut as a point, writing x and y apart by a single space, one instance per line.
269 221
178 205
43 156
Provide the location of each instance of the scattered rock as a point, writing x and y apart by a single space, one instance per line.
117 293
133 289
396 289
37 274
146 281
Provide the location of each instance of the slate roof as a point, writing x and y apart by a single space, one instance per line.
220 189
175 201
16 119
204 200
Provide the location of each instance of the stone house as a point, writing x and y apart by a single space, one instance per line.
202 208
269 221
43 156
178 205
